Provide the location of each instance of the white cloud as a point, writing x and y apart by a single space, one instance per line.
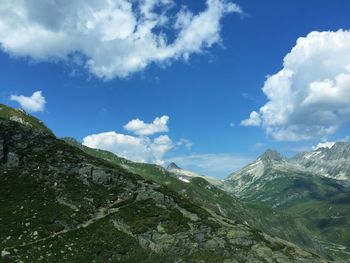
139 149
216 165
310 96
253 120
34 103
139 127
160 146
111 38
188 144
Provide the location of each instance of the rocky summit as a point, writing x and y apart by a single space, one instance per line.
312 186
60 204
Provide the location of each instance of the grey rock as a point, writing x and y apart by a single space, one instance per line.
12 160
101 176
85 171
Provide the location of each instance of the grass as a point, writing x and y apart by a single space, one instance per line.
202 193
100 242
7 112
319 205
31 193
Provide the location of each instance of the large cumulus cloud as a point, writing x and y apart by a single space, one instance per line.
111 38
310 96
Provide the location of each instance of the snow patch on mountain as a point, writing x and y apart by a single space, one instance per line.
186 176
328 145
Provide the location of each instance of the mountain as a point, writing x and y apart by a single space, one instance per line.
204 194
332 161
313 187
172 166
249 180
60 204
187 176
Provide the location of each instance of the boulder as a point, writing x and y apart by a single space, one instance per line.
101 176
12 159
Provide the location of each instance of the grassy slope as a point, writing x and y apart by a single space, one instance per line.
321 204
269 220
20 115
46 194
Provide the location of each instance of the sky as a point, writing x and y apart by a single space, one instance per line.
208 84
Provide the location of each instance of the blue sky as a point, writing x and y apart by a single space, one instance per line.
205 90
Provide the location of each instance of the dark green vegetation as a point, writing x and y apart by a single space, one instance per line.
319 203
202 193
22 117
60 204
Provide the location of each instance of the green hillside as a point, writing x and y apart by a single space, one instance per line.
321 204
59 204
201 192
22 117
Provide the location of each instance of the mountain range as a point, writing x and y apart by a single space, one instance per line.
312 186
61 201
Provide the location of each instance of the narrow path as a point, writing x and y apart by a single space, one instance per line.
99 214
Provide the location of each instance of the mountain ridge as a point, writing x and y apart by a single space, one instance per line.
313 186
59 203
339 153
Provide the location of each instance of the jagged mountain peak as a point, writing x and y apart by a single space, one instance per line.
173 165
333 151
271 155
340 147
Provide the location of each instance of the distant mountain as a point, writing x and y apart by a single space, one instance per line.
59 203
249 179
312 186
270 157
173 166
187 176
332 161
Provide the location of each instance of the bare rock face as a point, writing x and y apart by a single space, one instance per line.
10 159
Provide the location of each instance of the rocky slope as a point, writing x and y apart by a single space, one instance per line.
204 194
248 180
332 161
59 204
312 187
